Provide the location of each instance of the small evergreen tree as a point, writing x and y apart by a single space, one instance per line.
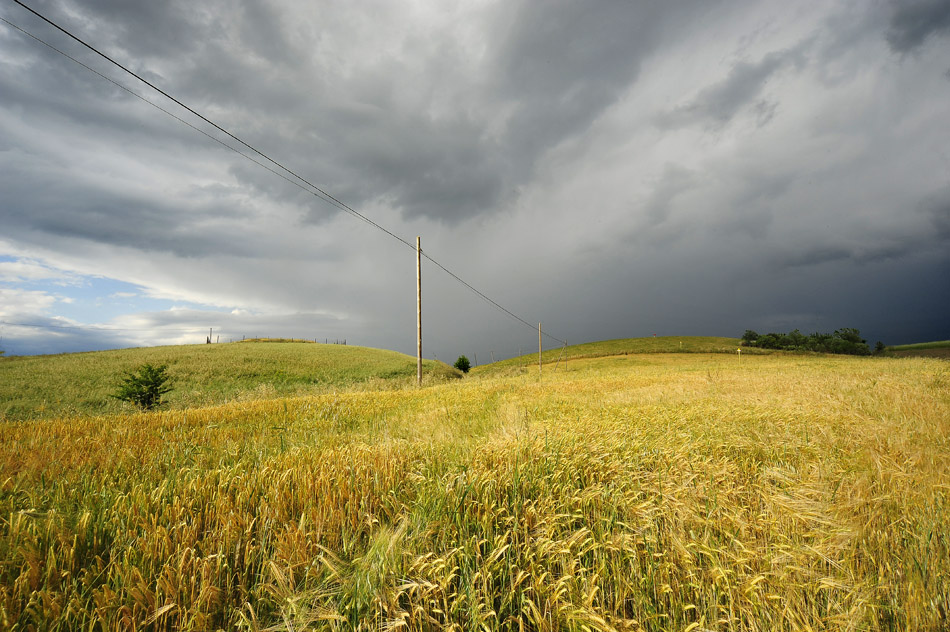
144 387
462 364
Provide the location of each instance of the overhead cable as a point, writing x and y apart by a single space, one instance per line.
298 180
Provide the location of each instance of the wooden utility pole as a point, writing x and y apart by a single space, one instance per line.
419 310
539 349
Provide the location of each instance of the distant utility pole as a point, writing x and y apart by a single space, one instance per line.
539 349
419 310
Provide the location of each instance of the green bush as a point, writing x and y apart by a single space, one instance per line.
462 364
846 341
144 387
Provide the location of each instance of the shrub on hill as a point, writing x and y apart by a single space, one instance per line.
462 364
145 387
845 341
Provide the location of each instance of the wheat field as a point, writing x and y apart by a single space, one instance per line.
684 492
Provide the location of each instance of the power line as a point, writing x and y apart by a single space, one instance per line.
151 85
313 188
156 106
513 315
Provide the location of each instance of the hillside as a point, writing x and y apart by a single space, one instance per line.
33 387
938 349
620 346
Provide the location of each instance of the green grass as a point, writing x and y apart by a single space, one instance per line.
33 387
938 349
940 344
622 346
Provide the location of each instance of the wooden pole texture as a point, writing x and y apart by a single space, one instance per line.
419 310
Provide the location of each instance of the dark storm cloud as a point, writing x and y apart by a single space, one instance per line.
937 208
552 70
915 21
861 254
43 205
561 64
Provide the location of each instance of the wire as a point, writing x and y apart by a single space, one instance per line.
313 188
513 315
155 105
329 197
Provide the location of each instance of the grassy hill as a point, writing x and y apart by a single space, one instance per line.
82 383
620 346
939 349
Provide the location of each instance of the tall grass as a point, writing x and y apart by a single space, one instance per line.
688 492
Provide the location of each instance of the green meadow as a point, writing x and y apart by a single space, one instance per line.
939 349
73 384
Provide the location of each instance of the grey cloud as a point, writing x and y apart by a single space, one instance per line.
752 212
551 70
44 208
49 335
554 68
561 64
937 209
674 181
871 251
913 22
720 102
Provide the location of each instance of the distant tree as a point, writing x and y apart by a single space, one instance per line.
770 341
796 340
462 364
847 341
820 343
879 348
144 387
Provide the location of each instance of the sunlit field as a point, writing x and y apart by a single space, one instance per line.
37 387
645 492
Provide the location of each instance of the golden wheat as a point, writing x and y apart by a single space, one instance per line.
641 493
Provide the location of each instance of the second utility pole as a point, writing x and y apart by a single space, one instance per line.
419 310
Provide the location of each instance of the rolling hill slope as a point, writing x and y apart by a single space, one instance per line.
82 383
620 346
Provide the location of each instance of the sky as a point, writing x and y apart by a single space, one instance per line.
608 169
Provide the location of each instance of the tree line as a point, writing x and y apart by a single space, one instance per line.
845 341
